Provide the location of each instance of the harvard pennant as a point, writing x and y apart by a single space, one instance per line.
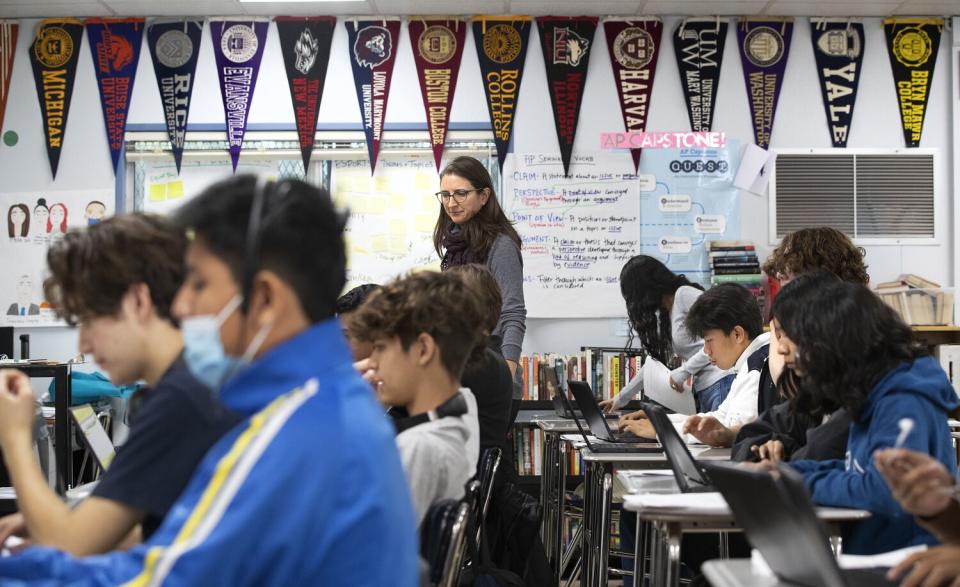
913 44
698 44
838 50
764 46
8 48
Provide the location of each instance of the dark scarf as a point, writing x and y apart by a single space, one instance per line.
456 250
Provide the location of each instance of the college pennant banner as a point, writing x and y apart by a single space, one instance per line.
764 47
633 47
174 46
502 50
373 51
54 57
8 48
698 44
838 49
115 46
437 51
567 42
238 49
305 43
913 44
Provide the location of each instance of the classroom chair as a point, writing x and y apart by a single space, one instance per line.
443 540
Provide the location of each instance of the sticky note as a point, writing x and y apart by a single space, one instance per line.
396 202
424 223
379 243
158 192
175 190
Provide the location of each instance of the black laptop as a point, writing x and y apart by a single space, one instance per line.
781 522
691 477
600 446
593 415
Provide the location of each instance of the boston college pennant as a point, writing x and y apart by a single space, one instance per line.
8 48
838 50
764 47
698 44
913 44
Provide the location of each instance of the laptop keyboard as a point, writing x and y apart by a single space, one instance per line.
631 437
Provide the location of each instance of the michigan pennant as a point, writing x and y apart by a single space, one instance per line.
437 50
238 48
8 48
913 44
373 50
698 44
838 50
764 46
54 57
305 43
115 46
633 47
502 49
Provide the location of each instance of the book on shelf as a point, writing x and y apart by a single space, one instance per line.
606 370
918 301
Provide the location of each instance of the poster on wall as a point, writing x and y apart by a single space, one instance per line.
838 46
913 45
166 187
9 30
34 221
698 44
764 48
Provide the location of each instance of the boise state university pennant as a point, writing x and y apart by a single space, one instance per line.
913 44
764 47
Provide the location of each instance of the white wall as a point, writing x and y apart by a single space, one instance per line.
800 123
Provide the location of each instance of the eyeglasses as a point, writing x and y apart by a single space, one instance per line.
458 195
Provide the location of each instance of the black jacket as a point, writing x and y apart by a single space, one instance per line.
489 380
803 436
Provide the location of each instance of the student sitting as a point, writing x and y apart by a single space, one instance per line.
422 328
309 483
121 303
854 352
347 304
727 317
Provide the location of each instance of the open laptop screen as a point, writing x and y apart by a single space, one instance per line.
684 466
94 434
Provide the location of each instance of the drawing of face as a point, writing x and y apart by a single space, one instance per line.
24 291
41 216
94 212
58 218
18 218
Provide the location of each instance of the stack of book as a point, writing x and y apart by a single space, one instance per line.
606 369
737 262
528 453
919 301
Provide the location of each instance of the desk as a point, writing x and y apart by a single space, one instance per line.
553 486
737 573
62 437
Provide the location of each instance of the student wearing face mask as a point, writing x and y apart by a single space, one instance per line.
309 483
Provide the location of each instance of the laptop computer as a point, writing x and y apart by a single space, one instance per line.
691 477
593 415
94 436
781 522
608 447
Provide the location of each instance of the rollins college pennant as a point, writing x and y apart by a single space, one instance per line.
913 44
502 51
54 57
567 42
437 50
838 49
238 49
698 44
305 43
633 47
115 46
8 48
174 46
764 47
373 50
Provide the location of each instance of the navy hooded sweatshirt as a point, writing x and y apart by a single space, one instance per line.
918 390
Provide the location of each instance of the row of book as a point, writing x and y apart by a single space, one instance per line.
918 300
528 453
737 262
607 370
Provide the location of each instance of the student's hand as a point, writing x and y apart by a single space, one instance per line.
12 525
369 374
638 415
639 427
771 450
933 567
17 407
709 430
608 406
921 484
677 378
775 362
512 365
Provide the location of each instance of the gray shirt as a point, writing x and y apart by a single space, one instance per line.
506 265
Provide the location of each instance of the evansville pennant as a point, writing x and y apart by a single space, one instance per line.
54 57
913 44
373 50
502 49
698 44
174 46
437 50
764 46
8 48
115 46
838 49
633 47
566 43
238 48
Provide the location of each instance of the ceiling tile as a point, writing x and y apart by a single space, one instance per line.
573 7
847 8
175 7
928 8
37 9
309 9
703 7
441 7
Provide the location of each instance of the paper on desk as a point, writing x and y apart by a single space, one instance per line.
648 473
656 386
7 493
884 559
695 503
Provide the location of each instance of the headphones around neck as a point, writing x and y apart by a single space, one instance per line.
454 407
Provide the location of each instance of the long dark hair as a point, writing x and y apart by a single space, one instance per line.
847 338
25 227
488 223
643 283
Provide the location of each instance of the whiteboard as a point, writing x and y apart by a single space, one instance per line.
162 190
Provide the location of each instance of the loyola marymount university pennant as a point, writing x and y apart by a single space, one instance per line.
633 47
115 46
8 48
437 50
567 42
838 49
305 43
174 46
54 57
238 49
502 51
698 44
913 44
373 51
764 46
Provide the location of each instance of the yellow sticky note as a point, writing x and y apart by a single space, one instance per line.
428 201
158 192
396 202
381 185
175 190
424 223
426 182
379 243
398 237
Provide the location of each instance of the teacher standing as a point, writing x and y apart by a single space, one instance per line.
472 228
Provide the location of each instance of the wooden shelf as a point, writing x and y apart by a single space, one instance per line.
949 328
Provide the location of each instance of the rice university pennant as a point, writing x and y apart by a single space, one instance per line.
174 46
115 46
373 51
698 44
54 57
8 48
567 43
305 42
437 50
764 46
838 50
913 44
238 49
502 51
633 47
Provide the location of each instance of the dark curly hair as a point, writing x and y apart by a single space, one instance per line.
644 281
354 298
820 248
847 338
724 307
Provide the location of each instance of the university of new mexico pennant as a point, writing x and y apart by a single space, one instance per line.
698 44
913 44
8 48
838 50
764 46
